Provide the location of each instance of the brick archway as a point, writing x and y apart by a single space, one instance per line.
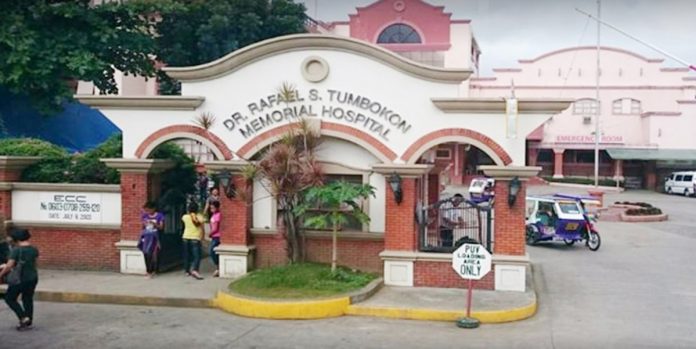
216 145
369 143
483 142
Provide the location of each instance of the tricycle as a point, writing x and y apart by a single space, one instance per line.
481 190
560 218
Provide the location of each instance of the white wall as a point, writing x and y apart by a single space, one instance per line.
263 207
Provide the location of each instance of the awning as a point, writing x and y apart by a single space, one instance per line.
652 154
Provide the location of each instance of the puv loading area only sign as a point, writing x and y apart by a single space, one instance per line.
471 261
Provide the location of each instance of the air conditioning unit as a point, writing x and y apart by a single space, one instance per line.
586 120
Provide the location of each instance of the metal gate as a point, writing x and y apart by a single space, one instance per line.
446 224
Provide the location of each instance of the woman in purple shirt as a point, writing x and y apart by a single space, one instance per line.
152 224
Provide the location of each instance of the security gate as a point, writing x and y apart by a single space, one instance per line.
446 224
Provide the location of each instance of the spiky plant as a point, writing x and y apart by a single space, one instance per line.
287 92
205 120
289 168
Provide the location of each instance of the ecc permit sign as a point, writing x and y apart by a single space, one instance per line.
70 207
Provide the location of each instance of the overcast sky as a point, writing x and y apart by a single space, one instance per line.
507 30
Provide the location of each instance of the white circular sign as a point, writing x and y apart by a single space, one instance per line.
471 261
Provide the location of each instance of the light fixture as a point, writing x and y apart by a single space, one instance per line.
513 189
227 184
395 184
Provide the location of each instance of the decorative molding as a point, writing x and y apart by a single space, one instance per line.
298 42
139 165
602 48
402 169
686 101
507 70
142 102
661 113
344 235
314 69
17 163
89 188
235 166
99 228
496 105
446 257
509 172
235 250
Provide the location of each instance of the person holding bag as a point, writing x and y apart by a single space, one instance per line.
21 277
193 233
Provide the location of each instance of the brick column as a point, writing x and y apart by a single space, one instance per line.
532 156
618 169
509 254
235 250
11 168
558 163
401 231
137 187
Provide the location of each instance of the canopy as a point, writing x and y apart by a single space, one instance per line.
77 128
652 154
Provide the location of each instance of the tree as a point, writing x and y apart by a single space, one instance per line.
46 44
199 31
337 201
289 167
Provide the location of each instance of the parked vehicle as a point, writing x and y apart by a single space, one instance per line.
481 190
682 183
559 218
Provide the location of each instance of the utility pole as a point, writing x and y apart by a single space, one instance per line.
599 105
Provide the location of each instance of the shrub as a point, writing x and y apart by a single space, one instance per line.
583 180
87 167
652 211
641 204
54 167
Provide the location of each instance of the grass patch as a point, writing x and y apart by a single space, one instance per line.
301 280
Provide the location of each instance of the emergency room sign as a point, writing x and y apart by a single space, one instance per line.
471 261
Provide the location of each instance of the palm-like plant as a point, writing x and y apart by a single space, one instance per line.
337 202
289 167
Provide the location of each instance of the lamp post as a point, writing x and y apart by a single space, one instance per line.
514 187
227 184
395 183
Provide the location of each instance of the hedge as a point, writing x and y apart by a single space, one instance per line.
583 180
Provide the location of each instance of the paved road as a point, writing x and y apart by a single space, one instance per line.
637 291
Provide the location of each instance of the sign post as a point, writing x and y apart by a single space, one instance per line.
471 262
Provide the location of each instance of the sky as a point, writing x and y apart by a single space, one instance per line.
508 30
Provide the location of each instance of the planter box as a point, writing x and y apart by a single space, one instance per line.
642 219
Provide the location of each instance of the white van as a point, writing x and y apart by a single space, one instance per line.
683 183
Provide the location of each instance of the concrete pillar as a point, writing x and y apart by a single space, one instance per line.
136 189
401 229
532 156
558 163
509 226
651 175
618 169
236 249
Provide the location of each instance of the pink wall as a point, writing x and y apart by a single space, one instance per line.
661 123
431 22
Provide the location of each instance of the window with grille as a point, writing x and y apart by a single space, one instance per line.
626 106
585 107
399 34
198 151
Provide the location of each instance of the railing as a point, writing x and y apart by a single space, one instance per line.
445 225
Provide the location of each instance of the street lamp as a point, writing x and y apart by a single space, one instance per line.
513 189
395 184
227 184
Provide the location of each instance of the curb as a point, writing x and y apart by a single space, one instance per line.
293 309
486 317
79 297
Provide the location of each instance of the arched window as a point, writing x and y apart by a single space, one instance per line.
399 34
586 106
626 106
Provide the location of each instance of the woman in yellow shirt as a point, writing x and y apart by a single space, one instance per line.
193 233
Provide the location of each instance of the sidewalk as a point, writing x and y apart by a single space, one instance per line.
176 289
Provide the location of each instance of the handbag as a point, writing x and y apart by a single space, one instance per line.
14 277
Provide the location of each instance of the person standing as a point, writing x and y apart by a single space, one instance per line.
23 256
215 217
149 242
213 197
193 233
